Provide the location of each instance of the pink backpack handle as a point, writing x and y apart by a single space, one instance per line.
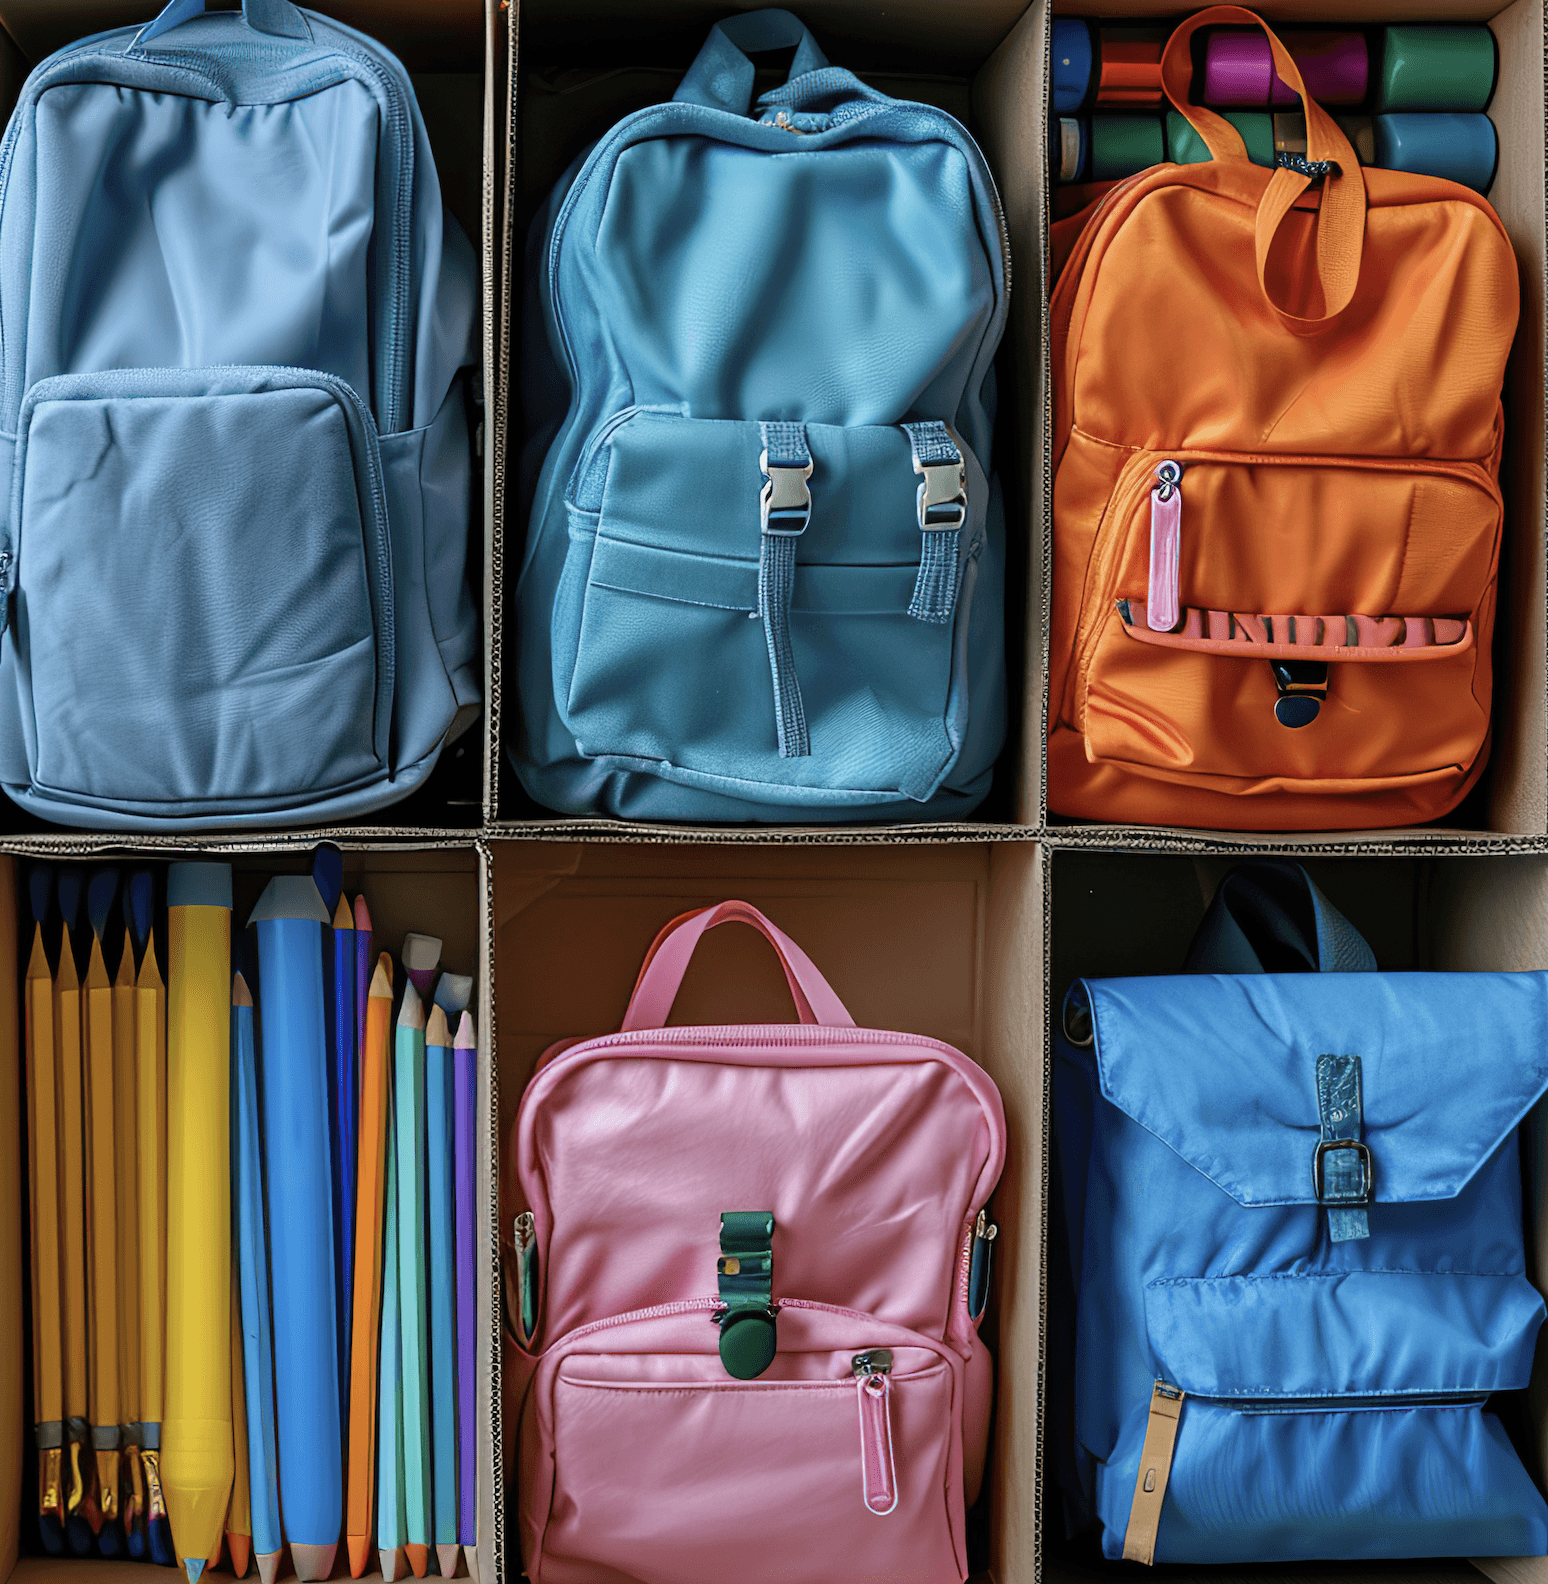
670 953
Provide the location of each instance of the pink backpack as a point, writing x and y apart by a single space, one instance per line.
745 1294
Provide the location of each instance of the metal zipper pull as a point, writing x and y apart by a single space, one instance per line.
984 1234
1155 1468
523 1303
878 1470
1163 604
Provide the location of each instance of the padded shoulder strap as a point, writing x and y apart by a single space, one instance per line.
722 77
1269 917
276 17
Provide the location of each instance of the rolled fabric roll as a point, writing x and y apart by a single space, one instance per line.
1073 59
1122 145
1437 68
1185 147
1067 148
1131 66
1458 147
1290 134
1239 69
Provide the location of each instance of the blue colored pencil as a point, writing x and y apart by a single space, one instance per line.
289 918
343 1081
409 1125
389 1457
253 1284
441 1244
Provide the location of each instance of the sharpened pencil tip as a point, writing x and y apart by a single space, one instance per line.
446 1559
240 994
240 1546
268 1566
343 915
194 1567
466 1038
436 1031
362 915
470 1557
391 1565
359 1554
418 1558
381 980
313 1561
412 1013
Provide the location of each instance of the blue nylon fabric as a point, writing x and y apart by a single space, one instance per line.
194 232
1193 1248
702 264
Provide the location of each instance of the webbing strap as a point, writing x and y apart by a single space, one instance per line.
785 508
1155 1468
745 1271
942 513
1341 1169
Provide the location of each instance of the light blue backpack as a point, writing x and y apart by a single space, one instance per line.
1292 1266
235 324
763 568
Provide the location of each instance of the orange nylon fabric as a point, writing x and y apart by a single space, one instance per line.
1323 358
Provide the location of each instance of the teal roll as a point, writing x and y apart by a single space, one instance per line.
1460 148
1185 147
1124 144
1437 68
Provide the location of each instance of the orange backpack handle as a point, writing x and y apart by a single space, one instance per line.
1341 223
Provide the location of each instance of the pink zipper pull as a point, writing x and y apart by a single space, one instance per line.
1163 607
878 1471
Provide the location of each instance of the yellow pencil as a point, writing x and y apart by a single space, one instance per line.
198 1460
239 1517
72 1215
126 1103
150 1048
102 1233
43 1181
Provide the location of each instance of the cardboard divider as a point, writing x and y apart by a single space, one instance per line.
437 890
1115 913
942 941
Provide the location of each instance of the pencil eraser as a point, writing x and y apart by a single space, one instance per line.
1437 68
1072 61
453 992
1459 148
199 885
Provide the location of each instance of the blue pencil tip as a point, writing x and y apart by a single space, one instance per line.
101 890
136 1539
108 1540
328 875
40 887
142 901
159 1533
194 1567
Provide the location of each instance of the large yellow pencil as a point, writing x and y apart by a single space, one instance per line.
72 1212
150 1054
102 1236
197 1458
43 1181
126 1100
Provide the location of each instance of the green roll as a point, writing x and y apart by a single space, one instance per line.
1124 144
1185 147
1437 68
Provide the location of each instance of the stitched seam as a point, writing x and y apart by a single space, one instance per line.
1276 1276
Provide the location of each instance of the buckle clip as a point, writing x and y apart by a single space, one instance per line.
1367 1173
942 495
1303 686
785 503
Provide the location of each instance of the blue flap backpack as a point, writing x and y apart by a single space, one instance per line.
762 577
1293 1269
235 324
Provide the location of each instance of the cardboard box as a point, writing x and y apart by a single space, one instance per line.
436 889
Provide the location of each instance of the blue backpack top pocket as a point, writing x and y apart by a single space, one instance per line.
235 324
763 570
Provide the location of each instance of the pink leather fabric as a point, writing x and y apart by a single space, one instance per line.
641 1458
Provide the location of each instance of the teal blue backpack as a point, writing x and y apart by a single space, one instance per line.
763 569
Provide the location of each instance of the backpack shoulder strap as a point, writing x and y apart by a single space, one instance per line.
1269 917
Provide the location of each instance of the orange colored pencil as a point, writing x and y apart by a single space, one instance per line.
367 1309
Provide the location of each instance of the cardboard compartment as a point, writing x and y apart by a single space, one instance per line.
458 78
434 890
942 941
1128 913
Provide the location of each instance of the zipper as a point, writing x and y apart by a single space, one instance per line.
878 1465
526 1300
1335 1403
980 1252
1142 472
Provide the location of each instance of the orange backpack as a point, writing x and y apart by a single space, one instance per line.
1276 504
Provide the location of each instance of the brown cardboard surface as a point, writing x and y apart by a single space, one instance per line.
13 1231
942 941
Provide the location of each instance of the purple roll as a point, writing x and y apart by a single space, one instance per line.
1239 69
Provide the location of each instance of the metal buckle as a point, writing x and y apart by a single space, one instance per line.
942 495
1368 1172
1303 686
785 505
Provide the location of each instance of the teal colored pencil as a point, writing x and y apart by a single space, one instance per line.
442 1245
413 1298
389 1419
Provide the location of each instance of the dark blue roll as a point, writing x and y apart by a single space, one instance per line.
1073 59
1461 147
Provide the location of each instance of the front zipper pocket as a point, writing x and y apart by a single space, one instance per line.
203 605
1289 620
642 1458
687 651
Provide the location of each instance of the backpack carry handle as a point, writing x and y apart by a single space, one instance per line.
1341 222
279 18
722 77
667 961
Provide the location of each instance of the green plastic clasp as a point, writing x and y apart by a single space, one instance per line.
746 1275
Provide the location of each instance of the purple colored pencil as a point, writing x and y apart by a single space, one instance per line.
464 1106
